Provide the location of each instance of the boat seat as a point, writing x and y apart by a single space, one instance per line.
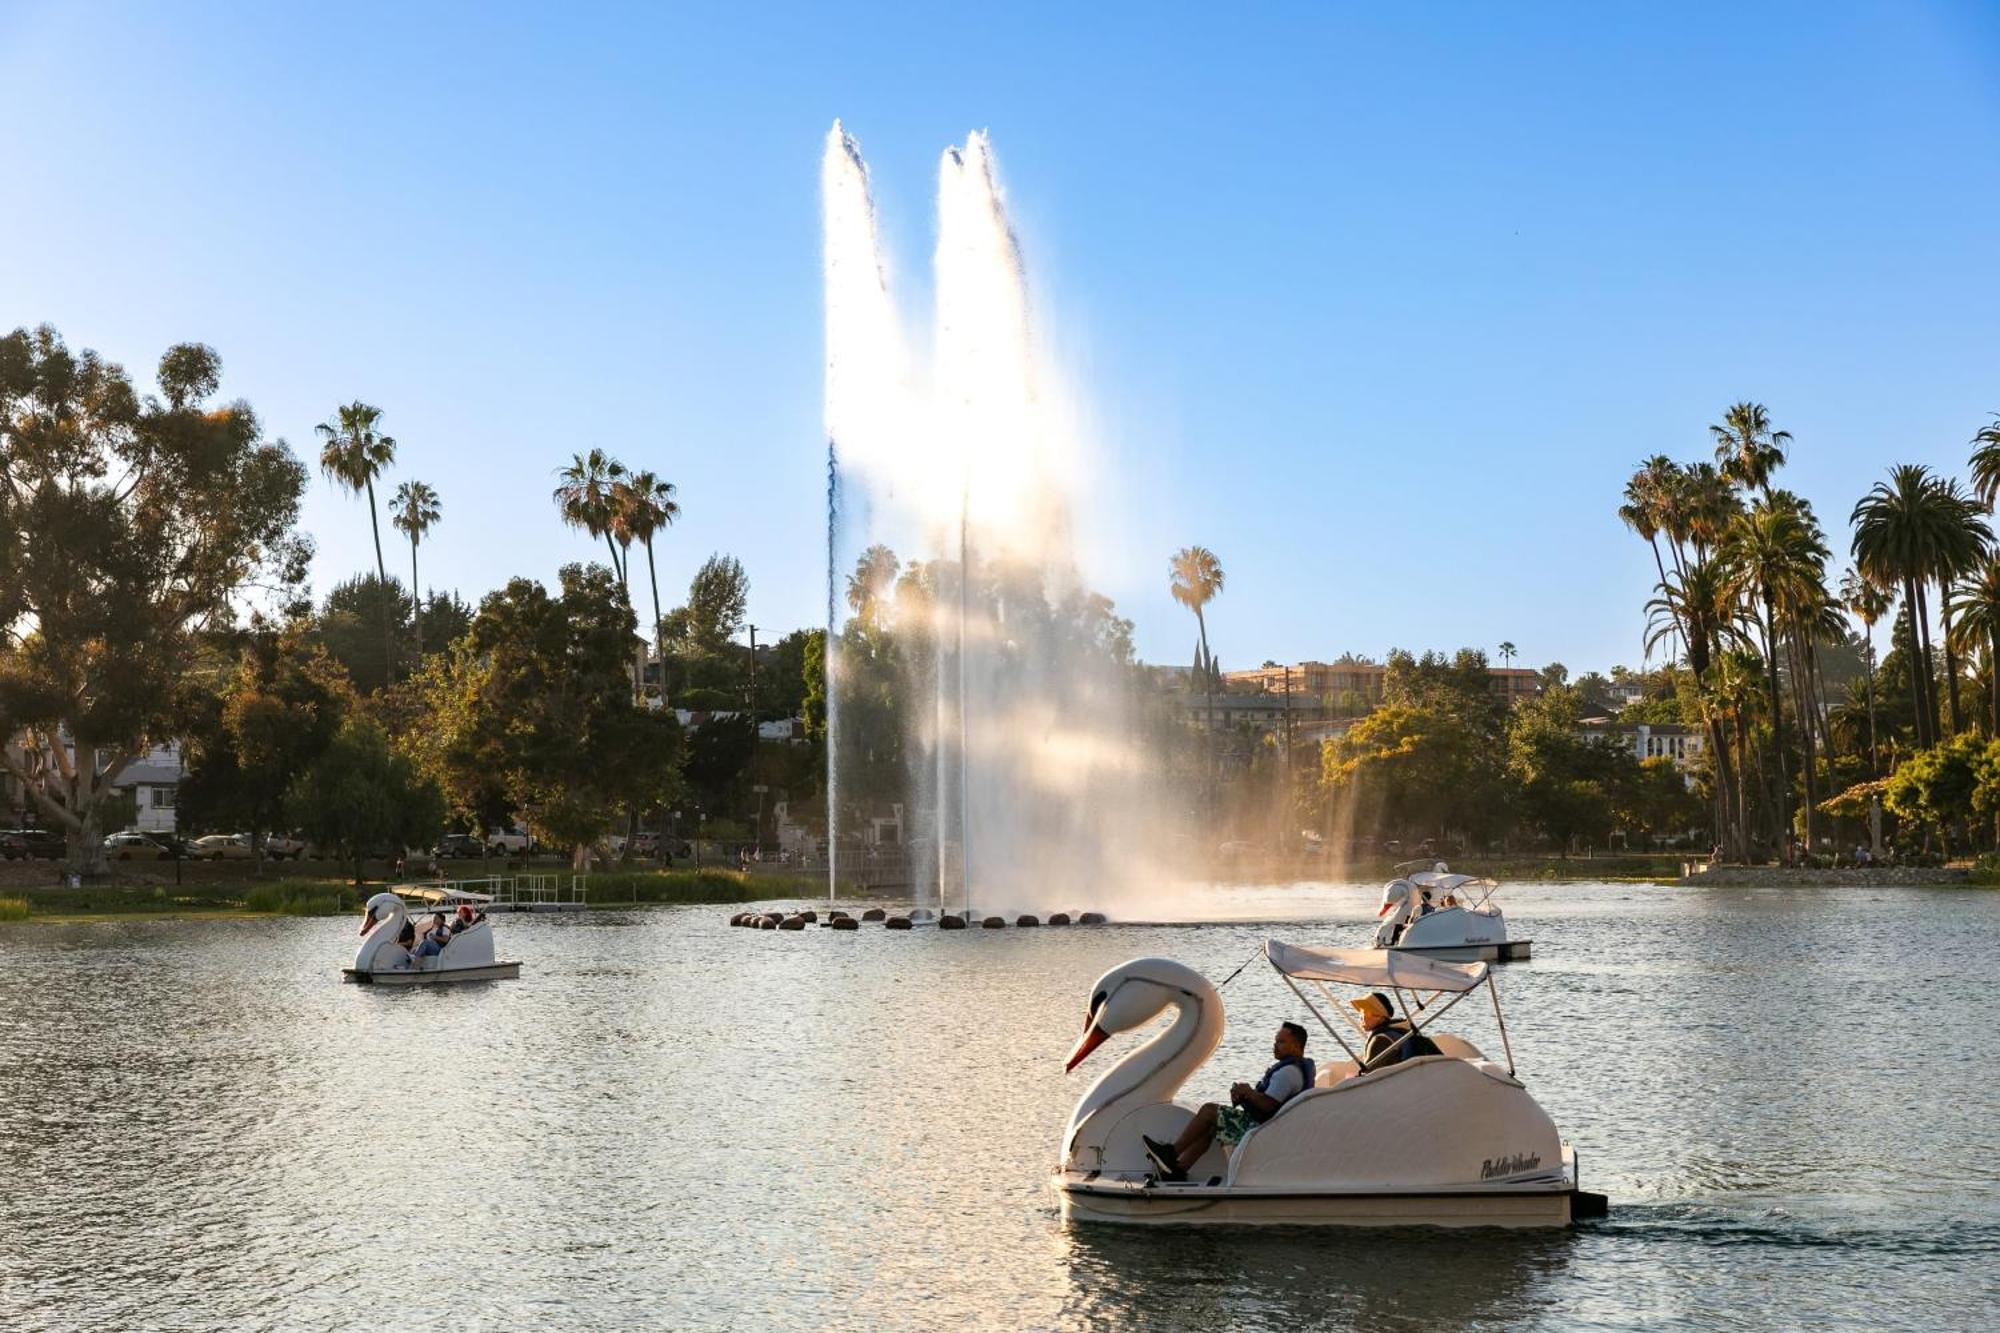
1458 1048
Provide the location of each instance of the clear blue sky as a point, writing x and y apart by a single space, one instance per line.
1382 304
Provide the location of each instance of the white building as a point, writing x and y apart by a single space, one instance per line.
1648 740
153 779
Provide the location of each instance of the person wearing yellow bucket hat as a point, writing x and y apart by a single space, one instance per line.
1390 1039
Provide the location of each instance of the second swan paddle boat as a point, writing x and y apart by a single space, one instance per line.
1452 1139
381 960
1463 923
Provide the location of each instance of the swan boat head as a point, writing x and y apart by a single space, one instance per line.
382 919
1399 899
1135 1096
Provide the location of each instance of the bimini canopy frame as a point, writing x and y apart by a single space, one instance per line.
1383 969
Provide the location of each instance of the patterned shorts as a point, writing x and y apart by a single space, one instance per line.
1232 1123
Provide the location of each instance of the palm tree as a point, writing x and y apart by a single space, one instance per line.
1747 450
1986 463
1196 580
645 505
1868 603
355 452
1772 556
1507 653
1898 529
1963 539
415 511
1978 626
584 498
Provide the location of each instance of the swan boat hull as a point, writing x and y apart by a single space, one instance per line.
418 977
1146 1203
1496 951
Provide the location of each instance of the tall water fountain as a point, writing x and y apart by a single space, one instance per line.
984 734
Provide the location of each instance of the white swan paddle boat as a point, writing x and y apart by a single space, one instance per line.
1472 929
1451 1139
468 957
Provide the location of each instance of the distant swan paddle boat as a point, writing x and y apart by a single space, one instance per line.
1471 929
1451 1139
382 960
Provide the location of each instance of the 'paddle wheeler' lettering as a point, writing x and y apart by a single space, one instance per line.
1508 1166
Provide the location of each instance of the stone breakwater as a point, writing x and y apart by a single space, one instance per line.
1775 877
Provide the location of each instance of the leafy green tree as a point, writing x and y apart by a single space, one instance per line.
362 798
533 709
1411 769
1934 788
813 707
276 714
129 527
718 600
348 627
1567 787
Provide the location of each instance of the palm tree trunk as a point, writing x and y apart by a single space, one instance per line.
382 573
416 604
1950 660
1874 754
1993 678
1808 714
1208 696
1929 666
1784 808
1918 669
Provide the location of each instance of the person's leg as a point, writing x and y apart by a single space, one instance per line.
1194 1140
1172 1159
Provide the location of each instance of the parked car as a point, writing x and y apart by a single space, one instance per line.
646 845
508 842
133 847
18 844
459 845
222 847
280 846
175 848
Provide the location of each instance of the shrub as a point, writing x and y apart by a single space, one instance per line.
13 909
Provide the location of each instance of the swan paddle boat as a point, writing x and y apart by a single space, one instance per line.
468 957
1452 1139
1464 924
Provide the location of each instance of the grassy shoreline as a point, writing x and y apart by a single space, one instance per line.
295 895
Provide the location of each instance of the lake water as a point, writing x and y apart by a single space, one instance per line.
1788 1095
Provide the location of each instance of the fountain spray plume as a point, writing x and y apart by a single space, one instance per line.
987 692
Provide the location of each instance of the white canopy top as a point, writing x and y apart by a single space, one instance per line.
1377 968
1438 879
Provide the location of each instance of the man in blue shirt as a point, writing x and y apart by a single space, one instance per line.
1249 1107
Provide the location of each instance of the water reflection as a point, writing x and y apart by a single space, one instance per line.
1245 1278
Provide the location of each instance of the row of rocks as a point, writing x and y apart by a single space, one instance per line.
837 919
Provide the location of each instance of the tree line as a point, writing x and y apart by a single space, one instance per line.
152 589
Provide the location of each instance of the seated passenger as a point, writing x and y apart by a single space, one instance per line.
463 920
1386 1034
434 938
1248 1108
407 937
1424 907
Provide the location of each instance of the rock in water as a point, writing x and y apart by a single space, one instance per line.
995 923
1059 918
845 923
873 914
897 923
1091 919
951 921
792 923
1025 920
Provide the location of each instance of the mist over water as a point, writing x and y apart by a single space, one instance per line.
985 726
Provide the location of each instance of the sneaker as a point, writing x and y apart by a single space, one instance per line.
1164 1158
